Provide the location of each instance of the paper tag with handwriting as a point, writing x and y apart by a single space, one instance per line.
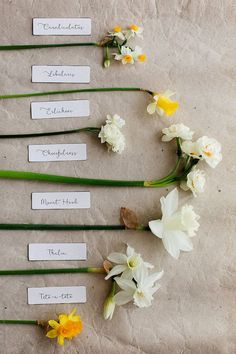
62 26
79 74
60 109
57 295
57 251
61 200
57 152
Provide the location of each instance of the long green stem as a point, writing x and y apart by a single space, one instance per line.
63 92
52 271
36 135
69 227
54 45
25 322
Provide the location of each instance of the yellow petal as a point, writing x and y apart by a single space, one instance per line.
63 319
168 106
53 324
52 333
60 340
73 312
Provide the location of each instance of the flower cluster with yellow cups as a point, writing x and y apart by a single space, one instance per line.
119 38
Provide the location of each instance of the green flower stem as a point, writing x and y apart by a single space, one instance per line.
71 227
36 135
38 46
63 92
52 271
25 322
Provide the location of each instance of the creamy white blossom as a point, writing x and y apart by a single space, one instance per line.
177 131
204 148
140 290
116 120
126 56
118 33
195 182
175 227
134 31
127 263
138 54
111 135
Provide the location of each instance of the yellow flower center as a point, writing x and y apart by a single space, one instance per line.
142 57
207 152
69 329
117 29
168 106
134 27
132 262
128 58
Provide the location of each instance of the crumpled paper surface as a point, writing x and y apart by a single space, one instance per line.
191 49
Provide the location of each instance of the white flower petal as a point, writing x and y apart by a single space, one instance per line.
118 269
118 258
151 108
125 284
156 227
169 204
122 298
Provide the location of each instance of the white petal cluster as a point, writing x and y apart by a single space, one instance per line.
134 281
129 56
207 149
111 135
140 289
176 227
195 182
177 131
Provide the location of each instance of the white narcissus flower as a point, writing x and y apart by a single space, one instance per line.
162 104
116 120
111 135
126 263
204 148
140 290
134 31
175 227
126 56
138 55
117 32
177 131
195 182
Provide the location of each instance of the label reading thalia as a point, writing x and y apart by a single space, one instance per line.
73 251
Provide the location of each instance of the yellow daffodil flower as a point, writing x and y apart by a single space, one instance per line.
134 30
162 104
67 326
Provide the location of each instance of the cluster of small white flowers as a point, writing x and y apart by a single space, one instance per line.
207 149
126 54
134 280
111 135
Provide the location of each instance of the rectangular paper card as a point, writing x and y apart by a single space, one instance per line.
61 26
60 109
57 295
61 200
57 251
57 152
79 74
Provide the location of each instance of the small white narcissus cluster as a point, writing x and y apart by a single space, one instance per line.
134 280
204 148
111 135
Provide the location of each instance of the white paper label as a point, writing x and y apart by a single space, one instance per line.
61 200
57 251
57 295
61 73
61 26
60 109
57 152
